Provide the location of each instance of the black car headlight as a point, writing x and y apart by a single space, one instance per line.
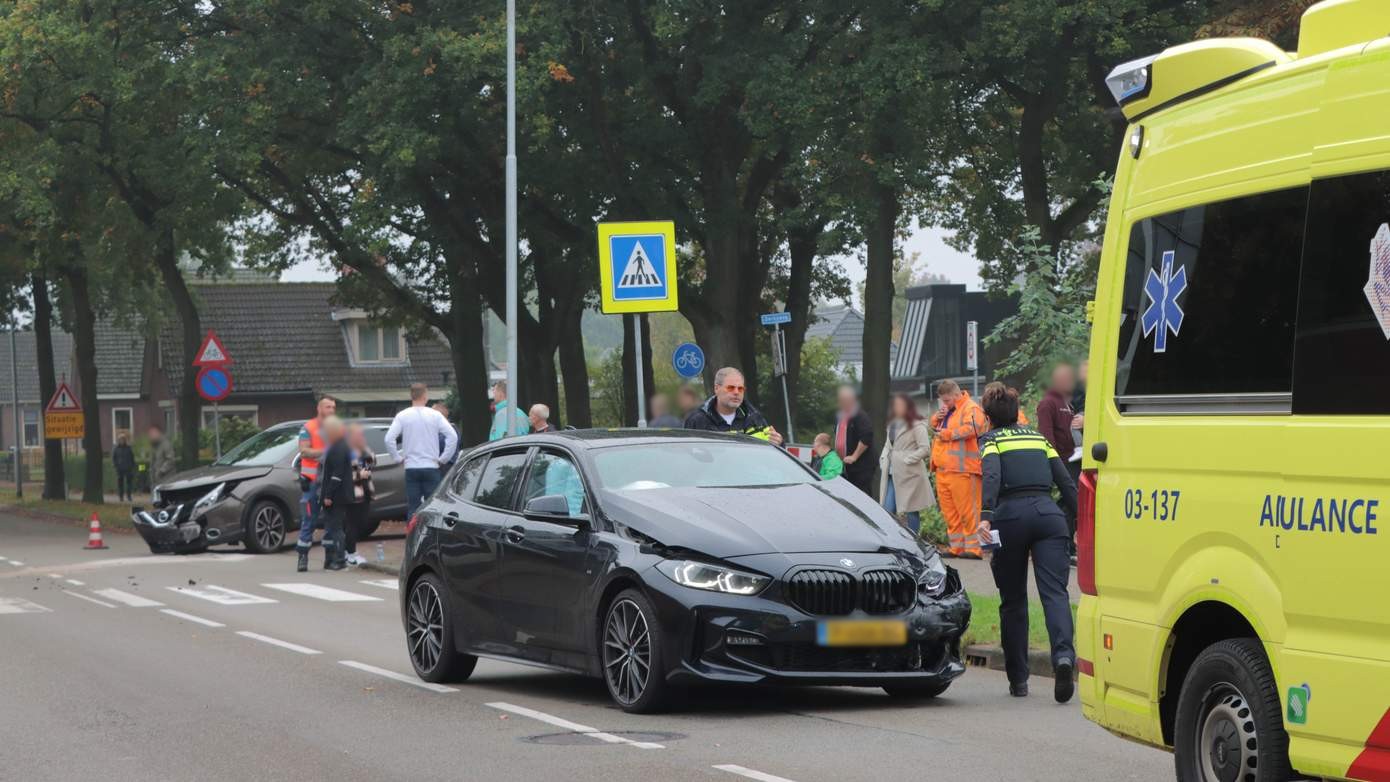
713 578
931 582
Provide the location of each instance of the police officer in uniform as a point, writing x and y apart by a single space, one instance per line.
1020 469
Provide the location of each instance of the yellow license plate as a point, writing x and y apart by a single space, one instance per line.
849 632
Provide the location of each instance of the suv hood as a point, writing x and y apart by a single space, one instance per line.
211 475
741 521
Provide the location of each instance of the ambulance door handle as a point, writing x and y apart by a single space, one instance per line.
1100 452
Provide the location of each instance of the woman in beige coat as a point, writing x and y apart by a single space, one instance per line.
906 489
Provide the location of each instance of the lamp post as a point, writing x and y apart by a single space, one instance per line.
512 389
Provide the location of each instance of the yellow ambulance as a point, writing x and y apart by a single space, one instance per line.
1234 532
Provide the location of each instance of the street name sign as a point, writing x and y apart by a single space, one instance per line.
776 318
637 267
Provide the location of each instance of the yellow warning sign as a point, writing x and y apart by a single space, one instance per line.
63 425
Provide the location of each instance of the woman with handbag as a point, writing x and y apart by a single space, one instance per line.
362 487
906 489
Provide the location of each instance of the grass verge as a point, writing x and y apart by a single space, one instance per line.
984 623
113 516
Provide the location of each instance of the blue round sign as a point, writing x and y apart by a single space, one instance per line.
688 360
213 383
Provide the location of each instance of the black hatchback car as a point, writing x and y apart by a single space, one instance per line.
657 559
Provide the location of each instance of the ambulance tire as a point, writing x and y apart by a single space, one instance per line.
1230 724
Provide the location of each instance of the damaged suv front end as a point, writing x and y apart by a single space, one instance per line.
189 519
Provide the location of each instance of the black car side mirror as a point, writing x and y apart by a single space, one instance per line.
553 508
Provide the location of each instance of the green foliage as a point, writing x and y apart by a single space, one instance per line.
1050 326
606 389
815 402
233 428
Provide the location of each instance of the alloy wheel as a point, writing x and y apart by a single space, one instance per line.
425 629
269 527
1228 742
627 651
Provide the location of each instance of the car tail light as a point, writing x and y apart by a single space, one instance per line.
1086 533
410 525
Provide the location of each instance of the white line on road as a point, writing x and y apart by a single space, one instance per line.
751 774
16 563
55 575
400 677
223 595
190 617
134 601
18 605
81 596
75 582
384 583
277 642
575 727
319 592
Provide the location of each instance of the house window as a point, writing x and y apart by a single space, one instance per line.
377 344
122 423
249 413
31 429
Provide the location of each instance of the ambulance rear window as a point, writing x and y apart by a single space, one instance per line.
1210 299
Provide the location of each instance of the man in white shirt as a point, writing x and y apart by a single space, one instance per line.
420 429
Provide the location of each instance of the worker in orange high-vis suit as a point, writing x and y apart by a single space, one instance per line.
955 458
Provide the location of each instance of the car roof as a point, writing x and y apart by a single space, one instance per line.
607 438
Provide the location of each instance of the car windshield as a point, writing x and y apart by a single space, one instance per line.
265 448
696 464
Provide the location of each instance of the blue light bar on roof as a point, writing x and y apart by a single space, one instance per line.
1131 80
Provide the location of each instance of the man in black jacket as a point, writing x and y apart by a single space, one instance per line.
335 492
726 411
854 441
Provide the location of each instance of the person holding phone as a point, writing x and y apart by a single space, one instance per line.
1020 468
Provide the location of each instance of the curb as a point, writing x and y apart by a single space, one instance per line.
992 657
35 514
381 567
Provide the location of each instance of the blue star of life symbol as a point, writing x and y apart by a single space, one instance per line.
1163 314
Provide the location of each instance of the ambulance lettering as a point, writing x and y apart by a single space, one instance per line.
1318 514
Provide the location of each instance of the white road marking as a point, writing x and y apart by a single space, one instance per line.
89 599
55 575
18 605
384 583
134 601
319 592
751 774
75 582
400 677
277 642
223 595
190 617
573 726
16 563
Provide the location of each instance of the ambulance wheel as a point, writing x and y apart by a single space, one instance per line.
1230 725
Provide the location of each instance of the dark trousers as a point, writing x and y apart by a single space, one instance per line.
125 485
309 516
420 482
863 480
333 517
1074 470
355 522
1032 526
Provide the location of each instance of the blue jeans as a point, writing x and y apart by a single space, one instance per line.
420 482
890 504
308 516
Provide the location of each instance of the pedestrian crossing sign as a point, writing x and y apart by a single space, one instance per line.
637 267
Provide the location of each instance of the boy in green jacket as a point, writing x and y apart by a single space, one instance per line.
825 460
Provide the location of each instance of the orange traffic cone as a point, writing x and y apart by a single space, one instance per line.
94 540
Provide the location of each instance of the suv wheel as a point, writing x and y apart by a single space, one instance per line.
1230 725
429 634
265 527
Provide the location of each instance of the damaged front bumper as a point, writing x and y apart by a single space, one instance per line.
183 528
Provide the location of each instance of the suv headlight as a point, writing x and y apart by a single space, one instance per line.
931 582
209 499
713 578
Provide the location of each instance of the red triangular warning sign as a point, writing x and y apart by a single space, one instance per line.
212 354
63 401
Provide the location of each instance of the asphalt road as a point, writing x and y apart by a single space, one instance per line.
119 665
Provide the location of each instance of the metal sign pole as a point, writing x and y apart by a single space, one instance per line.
18 425
782 368
217 431
513 393
637 353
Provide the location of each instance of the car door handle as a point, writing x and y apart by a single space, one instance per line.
515 534
451 518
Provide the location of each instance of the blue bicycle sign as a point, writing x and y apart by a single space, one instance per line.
688 360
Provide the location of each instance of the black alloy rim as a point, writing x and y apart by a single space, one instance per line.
426 629
627 651
269 527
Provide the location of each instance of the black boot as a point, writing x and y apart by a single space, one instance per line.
331 562
303 561
1065 681
1019 690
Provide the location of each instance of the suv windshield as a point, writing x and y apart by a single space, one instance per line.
266 448
702 464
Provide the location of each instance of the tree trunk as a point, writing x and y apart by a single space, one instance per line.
538 380
470 363
574 370
878 305
801 247
55 485
84 338
191 328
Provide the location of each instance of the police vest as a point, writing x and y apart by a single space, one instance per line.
1024 459
309 468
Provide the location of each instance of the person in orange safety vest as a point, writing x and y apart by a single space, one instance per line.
955 459
311 448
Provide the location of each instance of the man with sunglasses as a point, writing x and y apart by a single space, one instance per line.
726 411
